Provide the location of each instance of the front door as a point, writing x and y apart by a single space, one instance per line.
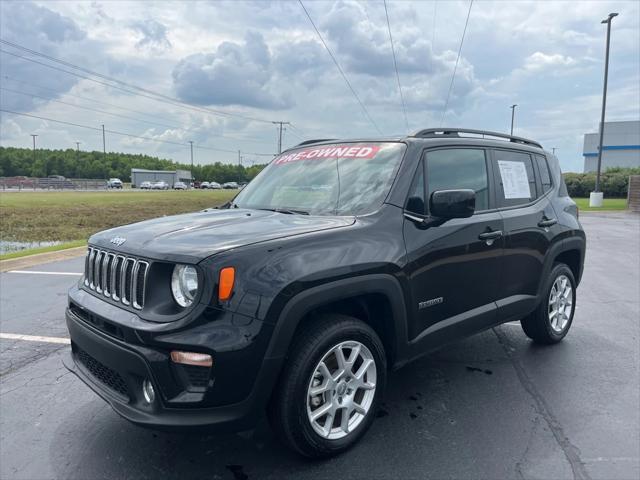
453 268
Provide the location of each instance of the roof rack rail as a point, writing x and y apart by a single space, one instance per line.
308 142
455 132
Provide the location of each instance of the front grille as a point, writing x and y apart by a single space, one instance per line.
121 278
102 373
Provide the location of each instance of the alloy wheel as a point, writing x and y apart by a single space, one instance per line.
341 390
560 303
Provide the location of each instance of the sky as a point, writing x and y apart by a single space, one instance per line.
219 73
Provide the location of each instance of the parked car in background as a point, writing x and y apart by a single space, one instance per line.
145 185
230 185
215 185
114 183
161 185
180 186
204 184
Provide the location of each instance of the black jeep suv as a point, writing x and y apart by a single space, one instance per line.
340 262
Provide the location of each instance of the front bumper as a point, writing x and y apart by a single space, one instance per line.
114 362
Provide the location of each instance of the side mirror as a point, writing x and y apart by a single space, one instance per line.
452 203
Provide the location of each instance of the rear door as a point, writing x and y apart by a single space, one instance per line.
523 184
454 268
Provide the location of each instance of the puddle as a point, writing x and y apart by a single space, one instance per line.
9 247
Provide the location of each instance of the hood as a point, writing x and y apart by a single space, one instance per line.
194 236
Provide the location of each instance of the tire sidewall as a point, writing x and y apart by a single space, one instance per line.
363 334
558 270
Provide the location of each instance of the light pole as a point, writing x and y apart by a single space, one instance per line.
77 151
513 112
553 150
595 198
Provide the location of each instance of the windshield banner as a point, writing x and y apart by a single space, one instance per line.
330 151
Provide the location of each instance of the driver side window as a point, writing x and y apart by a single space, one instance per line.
459 168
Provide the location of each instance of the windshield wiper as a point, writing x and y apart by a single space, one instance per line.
289 211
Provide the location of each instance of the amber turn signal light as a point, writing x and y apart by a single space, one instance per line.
225 283
191 358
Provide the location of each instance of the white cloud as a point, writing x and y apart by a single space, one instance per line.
541 61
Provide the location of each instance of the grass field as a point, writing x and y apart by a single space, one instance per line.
607 204
73 216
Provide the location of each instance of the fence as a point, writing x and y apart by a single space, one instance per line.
31 183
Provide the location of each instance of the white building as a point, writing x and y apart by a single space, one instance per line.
620 146
139 175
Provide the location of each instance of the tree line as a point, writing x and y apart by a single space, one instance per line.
73 164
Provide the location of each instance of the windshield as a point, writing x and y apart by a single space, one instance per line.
341 179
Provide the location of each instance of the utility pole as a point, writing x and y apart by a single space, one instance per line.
239 158
553 150
191 145
34 147
77 151
104 151
104 144
595 199
280 134
513 112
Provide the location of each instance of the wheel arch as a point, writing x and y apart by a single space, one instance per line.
357 297
569 251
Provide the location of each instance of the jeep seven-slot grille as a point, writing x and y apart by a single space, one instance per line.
116 276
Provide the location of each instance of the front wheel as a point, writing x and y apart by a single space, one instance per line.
330 387
550 322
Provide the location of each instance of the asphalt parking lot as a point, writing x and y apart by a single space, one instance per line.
492 406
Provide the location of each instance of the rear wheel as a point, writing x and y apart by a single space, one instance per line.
330 387
550 322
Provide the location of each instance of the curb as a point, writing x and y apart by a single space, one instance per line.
41 258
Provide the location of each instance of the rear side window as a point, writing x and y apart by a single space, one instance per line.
459 168
515 178
545 175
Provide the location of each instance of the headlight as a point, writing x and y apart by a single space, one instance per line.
184 284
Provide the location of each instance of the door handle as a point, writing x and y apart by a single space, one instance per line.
547 222
490 235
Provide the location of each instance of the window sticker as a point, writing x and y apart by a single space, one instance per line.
515 182
330 151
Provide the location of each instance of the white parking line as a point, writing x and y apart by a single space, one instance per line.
43 273
34 338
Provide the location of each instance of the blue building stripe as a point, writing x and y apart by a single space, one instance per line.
612 147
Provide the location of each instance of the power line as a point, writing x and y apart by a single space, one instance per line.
125 134
126 84
364 109
446 104
124 116
395 65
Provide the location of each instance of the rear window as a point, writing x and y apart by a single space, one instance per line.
515 178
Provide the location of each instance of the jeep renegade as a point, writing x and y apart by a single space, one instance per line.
340 262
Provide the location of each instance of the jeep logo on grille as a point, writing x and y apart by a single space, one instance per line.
117 241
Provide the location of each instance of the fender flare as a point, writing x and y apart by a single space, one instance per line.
304 302
564 245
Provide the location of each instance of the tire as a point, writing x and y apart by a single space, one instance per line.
543 325
291 405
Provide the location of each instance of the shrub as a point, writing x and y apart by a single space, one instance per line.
613 182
